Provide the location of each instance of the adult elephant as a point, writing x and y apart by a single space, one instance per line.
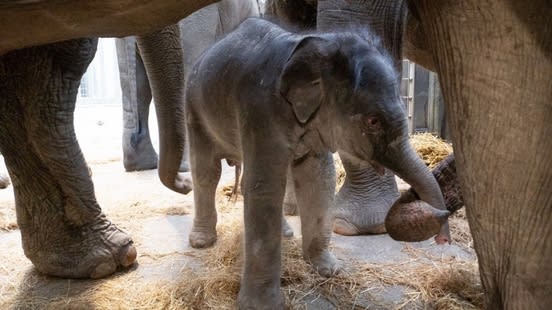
494 62
64 232
197 31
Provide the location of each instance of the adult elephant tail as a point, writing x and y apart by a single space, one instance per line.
163 59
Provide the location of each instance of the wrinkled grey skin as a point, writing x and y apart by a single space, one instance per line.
64 232
279 99
446 176
493 61
198 31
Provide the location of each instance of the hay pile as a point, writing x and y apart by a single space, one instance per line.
460 231
339 172
430 148
440 283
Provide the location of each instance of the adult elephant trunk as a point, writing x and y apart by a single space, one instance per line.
163 59
407 221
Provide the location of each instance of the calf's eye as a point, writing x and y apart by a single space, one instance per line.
372 121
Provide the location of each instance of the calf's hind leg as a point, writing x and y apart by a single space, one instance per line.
314 179
206 170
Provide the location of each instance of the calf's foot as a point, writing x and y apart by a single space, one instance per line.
265 297
201 237
138 151
325 264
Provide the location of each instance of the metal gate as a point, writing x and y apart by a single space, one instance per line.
423 101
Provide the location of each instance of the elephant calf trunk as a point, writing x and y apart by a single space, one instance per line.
411 219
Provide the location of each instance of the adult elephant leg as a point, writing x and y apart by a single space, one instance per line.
138 151
64 233
163 58
363 200
494 66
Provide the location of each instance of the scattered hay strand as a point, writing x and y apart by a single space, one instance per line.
460 231
142 209
8 219
228 189
430 148
339 172
448 283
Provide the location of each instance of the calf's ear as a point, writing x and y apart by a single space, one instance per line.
302 79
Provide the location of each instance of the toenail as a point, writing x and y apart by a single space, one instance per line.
130 257
103 269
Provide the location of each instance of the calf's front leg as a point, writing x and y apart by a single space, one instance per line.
206 170
264 187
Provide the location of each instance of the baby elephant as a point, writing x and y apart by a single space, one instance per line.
272 100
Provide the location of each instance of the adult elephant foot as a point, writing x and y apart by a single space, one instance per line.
364 200
260 297
138 151
200 237
64 232
139 154
94 250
